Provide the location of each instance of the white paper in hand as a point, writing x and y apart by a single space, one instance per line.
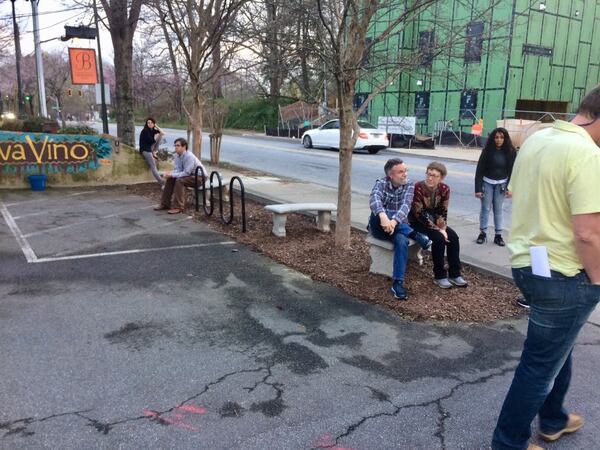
539 261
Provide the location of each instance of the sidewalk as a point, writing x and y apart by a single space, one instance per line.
488 257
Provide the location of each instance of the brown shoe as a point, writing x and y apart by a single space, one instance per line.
575 423
175 211
534 447
160 208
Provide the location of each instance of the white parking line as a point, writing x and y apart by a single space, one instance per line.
35 200
130 252
132 234
83 222
30 214
25 247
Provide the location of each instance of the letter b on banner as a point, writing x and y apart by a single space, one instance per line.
83 65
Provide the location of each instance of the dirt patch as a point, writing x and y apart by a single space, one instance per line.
486 299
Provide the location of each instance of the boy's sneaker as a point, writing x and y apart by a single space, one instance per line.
398 290
423 240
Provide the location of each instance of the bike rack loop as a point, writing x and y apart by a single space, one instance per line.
208 210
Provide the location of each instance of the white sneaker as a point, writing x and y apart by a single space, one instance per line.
442 283
458 281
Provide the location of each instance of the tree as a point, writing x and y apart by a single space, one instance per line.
122 17
351 41
200 27
57 75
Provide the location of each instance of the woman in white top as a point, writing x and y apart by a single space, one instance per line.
491 181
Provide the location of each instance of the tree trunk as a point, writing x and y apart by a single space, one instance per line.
273 51
197 110
179 98
124 90
347 142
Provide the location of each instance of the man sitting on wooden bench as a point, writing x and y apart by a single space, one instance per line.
390 203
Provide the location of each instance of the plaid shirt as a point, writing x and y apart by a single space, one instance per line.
395 201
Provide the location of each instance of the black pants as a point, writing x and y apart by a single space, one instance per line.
439 247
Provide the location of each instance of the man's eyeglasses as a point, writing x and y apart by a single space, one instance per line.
432 175
177 145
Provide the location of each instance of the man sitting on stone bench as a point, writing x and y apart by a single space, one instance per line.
390 203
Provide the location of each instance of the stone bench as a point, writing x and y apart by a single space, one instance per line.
382 255
280 213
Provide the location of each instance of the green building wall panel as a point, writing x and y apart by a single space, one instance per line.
582 70
575 60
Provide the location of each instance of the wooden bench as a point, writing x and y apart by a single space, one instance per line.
281 211
382 255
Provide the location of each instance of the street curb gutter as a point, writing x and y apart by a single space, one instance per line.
493 271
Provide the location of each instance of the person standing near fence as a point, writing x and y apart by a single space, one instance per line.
150 138
493 173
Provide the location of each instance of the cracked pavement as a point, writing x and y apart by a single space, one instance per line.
205 347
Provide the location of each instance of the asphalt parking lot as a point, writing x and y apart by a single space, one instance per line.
122 327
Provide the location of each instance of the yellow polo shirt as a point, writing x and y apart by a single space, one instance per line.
556 175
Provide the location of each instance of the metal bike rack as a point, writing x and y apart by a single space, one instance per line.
208 210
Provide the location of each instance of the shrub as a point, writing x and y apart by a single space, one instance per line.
35 124
252 114
12 125
78 129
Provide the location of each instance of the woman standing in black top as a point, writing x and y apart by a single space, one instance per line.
150 137
491 180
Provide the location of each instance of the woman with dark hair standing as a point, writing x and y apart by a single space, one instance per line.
150 137
491 180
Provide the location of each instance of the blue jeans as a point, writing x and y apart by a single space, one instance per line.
560 306
493 197
400 244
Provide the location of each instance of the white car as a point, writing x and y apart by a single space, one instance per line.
370 137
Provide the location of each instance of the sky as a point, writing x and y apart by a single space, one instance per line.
53 16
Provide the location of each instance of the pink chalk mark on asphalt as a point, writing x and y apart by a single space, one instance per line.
175 421
328 441
193 409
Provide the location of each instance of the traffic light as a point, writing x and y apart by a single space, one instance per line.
27 97
70 92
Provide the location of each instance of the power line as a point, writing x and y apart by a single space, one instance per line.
28 15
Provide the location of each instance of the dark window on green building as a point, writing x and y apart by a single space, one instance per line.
365 61
468 104
426 44
421 105
474 42
359 99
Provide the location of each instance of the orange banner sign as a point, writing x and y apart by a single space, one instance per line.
83 65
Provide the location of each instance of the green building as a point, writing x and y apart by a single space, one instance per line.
517 60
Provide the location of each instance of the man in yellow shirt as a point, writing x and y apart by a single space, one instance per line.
556 210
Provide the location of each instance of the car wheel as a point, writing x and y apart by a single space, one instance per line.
373 151
307 142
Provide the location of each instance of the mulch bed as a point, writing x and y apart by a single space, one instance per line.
486 299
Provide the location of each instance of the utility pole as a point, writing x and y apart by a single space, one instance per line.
21 105
39 64
103 112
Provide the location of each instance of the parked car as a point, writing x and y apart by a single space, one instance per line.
327 135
